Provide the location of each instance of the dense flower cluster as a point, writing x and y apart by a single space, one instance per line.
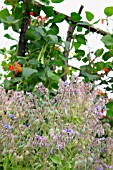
63 132
16 67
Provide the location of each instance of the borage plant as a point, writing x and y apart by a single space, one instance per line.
65 132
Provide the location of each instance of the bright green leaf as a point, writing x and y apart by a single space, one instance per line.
110 109
89 16
107 40
4 13
108 11
75 17
76 45
56 160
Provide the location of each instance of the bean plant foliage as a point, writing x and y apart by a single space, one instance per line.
47 123
65 132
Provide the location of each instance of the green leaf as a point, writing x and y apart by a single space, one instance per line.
7 83
32 61
57 18
67 45
17 79
52 76
54 29
76 45
80 52
56 1
85 59
27 72
107 55
79 28
4 13
10 20
45 1
90 77
99 52
81 39
107 40
4 65
10 37
53 38
75 17
99 66
110 109
89 16
56 160
48 10
108 11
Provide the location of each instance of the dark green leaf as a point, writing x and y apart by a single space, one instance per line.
48 10
99 52
45 1
107 55
89 16
54 29
108 11
56 1
27 72
9 37
85 59
57 18
80 52
75 17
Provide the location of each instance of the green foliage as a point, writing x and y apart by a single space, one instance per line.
45 58
89 16
107 40
99 52
75 17
108 11
110 109
56 1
